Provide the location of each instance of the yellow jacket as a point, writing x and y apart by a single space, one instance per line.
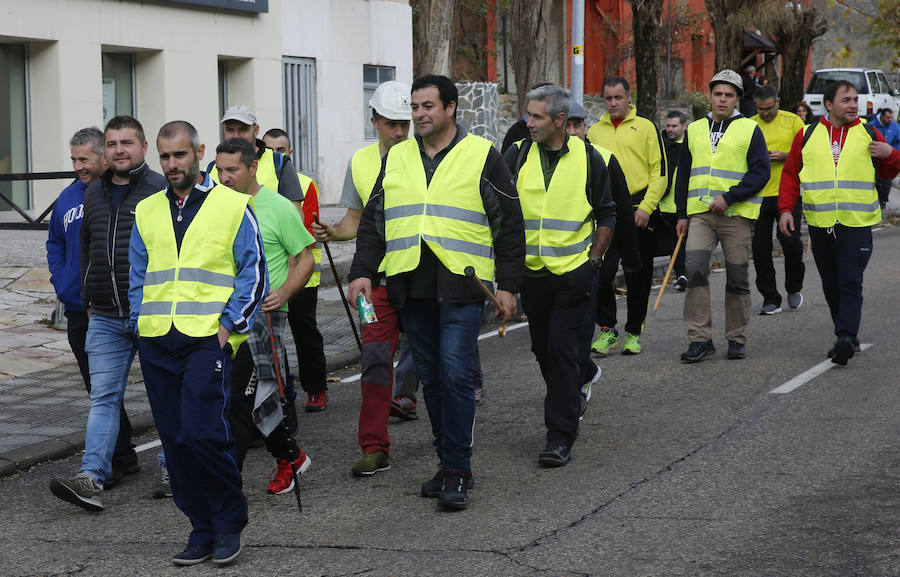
638 147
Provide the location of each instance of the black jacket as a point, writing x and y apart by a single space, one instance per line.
501 203
104 273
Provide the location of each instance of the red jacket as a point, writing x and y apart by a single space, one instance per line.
789 190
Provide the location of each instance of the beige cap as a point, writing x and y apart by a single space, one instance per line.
391 100
241 113
728 77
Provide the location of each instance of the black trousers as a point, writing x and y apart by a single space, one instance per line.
123 455
308 340
637 282
556 307
670 219
280 442
792 246
842 254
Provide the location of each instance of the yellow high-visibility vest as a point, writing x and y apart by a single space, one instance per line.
558 224
189 288
316 277
844 193
265 170
364 168
448 213
713 174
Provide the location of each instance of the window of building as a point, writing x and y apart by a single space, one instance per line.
372 77
118 84
13 124
300 111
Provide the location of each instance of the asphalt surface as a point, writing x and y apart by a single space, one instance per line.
679 470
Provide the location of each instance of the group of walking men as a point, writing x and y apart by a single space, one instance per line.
214 258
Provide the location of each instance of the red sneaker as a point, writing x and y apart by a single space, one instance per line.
282 480
404 408
316 402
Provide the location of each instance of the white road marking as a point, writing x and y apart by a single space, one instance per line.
809 375
148 446
487 335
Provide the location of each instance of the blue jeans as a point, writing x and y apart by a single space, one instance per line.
443 338
110 349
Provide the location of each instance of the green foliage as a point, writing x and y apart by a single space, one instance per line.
699 102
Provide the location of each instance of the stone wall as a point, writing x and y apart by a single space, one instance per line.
478 110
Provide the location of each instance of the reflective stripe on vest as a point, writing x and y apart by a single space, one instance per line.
316 277
448 213
558 224
843 193
713 174
189 288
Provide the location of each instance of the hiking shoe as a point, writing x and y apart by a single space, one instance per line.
736 350
680 284
163 489
555 454
285 472
370 464
586 388
632 344
454 490
795 300
856 348
606 341
479 396
316 402
697 351
81 490
193 555
770 309
843 351
432 488
404 408
226 548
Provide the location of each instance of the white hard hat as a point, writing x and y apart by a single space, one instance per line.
391 100
728 77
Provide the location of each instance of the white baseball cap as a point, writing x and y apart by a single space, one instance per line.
241 113
391 100
728 77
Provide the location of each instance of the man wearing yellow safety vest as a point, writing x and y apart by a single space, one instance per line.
638 147
255 404
779 127
197 279
445 202
302 306
569 222
723 165
673 138
833 165
391 115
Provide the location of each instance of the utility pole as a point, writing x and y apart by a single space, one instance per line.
577 91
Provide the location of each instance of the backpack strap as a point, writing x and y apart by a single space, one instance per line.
524 147
808 133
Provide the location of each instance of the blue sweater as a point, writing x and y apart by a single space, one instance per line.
891 132
64 245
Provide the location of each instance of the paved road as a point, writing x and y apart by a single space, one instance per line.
679 470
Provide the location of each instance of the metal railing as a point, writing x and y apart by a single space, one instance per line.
30 223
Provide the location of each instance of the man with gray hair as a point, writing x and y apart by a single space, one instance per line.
64 259
564 190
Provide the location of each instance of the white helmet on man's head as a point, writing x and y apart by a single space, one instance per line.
391 100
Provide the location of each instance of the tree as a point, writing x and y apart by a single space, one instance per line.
646 29
729 19
794 27
530 27
434 30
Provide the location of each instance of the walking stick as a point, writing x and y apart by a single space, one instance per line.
665 282
470 272
283 403
337 280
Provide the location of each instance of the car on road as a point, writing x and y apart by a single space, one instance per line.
875 92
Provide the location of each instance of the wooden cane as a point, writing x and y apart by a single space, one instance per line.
665 282
470 272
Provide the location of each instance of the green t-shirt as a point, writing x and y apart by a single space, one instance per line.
283 234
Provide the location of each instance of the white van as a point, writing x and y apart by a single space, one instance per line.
875 92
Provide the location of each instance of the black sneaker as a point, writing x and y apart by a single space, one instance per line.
226 548
843 351
432 487
555 454
698 351
736 350
856 348
454 489
680 284
193 555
